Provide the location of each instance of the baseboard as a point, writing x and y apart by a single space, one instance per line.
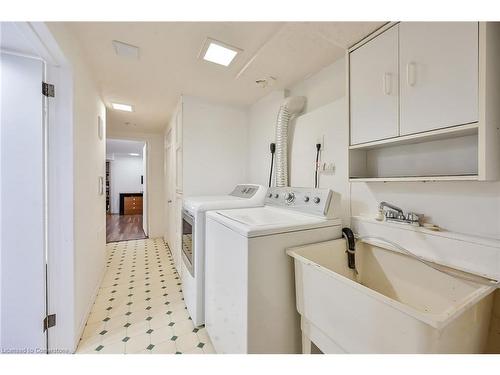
89 309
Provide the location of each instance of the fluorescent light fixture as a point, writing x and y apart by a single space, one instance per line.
122 107
133 154
218 52
126 50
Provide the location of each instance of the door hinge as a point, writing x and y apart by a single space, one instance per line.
49 321
48 90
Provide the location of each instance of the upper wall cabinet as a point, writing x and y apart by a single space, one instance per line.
439 75
374 89
423 102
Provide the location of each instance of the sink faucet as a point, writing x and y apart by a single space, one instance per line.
396 214
391 206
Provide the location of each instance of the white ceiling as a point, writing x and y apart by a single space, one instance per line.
119 147
168 63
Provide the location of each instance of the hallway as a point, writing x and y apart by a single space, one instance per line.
124 228
140 307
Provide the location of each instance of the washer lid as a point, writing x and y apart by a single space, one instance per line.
261 221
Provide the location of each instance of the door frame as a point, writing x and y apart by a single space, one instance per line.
58 183
146 173
145 187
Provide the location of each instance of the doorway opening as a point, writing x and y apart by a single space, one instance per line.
126 190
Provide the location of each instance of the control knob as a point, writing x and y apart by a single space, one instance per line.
306 199
316 200
289 197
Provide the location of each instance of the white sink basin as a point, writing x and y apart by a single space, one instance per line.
395 304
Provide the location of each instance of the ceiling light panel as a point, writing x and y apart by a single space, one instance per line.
122 107
218 52
126 50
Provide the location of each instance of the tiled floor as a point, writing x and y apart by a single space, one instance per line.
140 307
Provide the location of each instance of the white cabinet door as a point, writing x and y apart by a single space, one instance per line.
373 85
439 75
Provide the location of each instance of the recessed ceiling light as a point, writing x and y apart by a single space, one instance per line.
218 52
126 50
133 154
122 107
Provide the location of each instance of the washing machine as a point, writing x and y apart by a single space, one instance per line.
193 239
249 280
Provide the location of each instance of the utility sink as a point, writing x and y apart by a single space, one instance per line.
392 304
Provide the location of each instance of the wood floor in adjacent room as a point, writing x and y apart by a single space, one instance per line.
124 228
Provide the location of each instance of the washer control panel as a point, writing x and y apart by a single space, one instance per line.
306 200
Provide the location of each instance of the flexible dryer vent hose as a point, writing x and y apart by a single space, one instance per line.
290 108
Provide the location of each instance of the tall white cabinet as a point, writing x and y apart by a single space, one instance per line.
423 102
205 154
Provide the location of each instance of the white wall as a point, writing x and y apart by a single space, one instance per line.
322 121
322 88
126 174
260 133
214 147
322 125
89 156
466 207
154 174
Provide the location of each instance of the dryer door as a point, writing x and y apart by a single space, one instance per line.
187 241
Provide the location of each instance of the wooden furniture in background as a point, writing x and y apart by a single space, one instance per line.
130 203
133 205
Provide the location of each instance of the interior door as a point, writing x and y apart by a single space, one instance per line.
439 74
22 204
373 83
145 190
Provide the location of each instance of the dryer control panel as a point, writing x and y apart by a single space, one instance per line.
312 201
246 190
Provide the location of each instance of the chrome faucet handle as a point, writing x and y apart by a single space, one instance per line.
413 217
390 214
383 205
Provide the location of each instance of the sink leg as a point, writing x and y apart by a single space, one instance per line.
306 344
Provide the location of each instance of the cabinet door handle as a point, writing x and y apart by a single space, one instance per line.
387 83
411 74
